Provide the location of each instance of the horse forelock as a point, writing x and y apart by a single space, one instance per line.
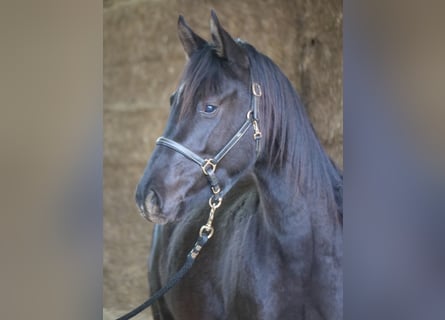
203 76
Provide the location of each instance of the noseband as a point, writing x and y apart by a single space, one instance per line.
209 165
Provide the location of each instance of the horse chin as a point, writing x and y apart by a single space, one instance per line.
161 218
157 219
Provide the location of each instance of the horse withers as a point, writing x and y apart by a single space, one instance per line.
276 238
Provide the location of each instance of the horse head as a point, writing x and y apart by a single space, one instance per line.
212 106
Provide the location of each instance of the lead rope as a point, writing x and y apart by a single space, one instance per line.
206 231
202 240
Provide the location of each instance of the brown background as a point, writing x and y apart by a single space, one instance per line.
142 63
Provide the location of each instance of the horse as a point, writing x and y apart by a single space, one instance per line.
275 196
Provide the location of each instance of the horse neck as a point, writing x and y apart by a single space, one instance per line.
298 188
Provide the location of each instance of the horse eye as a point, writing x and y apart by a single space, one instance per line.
209 108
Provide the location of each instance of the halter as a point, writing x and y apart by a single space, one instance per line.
209 165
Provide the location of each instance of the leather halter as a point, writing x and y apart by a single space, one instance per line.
208 165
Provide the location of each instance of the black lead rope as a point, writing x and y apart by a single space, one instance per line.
191 257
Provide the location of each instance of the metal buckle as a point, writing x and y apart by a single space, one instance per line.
208 164
256 89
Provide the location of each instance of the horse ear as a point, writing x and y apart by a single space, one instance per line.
189 39
225 46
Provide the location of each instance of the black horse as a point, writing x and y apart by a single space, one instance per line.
276 250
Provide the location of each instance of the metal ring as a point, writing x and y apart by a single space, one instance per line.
256 89
216 189
215 205
208 164
208 229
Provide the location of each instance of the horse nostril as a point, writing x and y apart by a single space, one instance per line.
151 197
152 202
140 199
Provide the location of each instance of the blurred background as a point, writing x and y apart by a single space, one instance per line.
54 72
142 62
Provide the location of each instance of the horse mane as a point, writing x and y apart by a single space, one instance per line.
290 136
288 133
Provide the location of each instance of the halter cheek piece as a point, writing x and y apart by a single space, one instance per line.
208 166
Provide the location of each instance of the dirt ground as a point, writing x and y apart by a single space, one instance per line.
142 62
